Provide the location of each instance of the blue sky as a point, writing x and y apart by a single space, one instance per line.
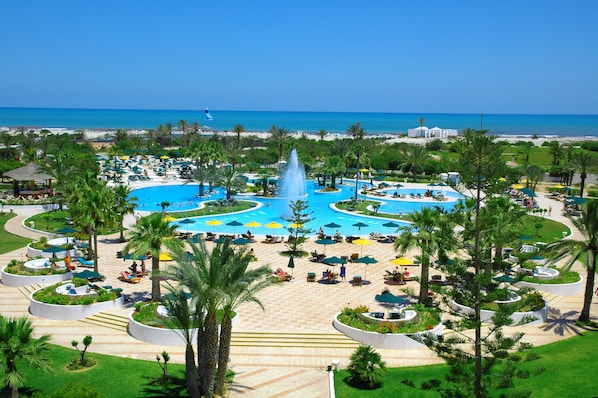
509 56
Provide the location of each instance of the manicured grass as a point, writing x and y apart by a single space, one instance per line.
548 233
10 242
567 366
113 376
214 210
52 221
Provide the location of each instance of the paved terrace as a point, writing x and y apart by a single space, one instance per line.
284 350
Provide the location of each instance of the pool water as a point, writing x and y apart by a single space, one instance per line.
184 197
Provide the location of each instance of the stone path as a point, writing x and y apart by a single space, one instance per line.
282 351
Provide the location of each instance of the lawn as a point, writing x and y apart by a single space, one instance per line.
564 366
52 221
10 242
549 231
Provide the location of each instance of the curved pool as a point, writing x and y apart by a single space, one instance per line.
184 197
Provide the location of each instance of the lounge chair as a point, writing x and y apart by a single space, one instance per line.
354 257
126 277
311 276
84 262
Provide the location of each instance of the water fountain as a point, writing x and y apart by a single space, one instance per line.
293 179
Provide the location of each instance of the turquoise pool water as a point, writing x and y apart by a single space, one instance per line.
184 197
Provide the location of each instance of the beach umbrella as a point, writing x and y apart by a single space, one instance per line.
390 225
291 264
169 219
360 225
325 242
398 186
567 188
362 242
367 260
517 186
389 298
164 157
67 231
242 241
234 224
274 225
253 224
221 239
86 274
132 256
54 250
402 261
214 223
558 186
186 222
165 257
332 225
432 184
334 260
502 179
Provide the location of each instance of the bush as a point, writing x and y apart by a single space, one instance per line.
366 370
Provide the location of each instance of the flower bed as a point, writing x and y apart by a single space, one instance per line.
16 275
147 325
569 283
50 303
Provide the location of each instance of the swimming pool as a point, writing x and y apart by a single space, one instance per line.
184 197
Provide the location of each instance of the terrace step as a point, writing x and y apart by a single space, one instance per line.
27 290
309 340
108 320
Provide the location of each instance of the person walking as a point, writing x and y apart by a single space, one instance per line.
343 274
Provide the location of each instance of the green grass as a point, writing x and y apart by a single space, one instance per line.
10 242
52 221
548 233
214 210
113 376
567 364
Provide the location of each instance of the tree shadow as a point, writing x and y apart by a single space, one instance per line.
176 387
562 323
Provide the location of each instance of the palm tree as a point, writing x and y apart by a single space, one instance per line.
150 235
506 220
322 133
526 150
279 136
557 151
241 286
431 232
231 180
123 205
356 131
184 318
415 157
358 152
16 345
585 250
183 125
335 165
584 162
367 369
421 124
238 129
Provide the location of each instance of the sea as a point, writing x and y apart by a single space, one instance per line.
309 122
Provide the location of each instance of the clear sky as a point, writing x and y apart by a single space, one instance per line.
502 56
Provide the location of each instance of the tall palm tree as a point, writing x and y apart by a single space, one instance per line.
334 165
279 136
415 157
123 205
430 232
16 345
526 150
183 316
584 250
584 162
150 235
241 286
231 180
557 152
322 134
238 129
359 153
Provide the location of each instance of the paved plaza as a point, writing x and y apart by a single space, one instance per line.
283 350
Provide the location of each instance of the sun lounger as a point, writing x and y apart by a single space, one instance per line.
125 277
84 262
311 276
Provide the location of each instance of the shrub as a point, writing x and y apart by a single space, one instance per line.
366 370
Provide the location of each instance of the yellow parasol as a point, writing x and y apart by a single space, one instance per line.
253 224
502 179
517 186
164 157
213 223
558 186
362 242
124 157
274 225
165 257
364 170
169 219
402 261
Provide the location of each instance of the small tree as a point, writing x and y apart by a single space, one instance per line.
297 229
366 370
164 366
86 344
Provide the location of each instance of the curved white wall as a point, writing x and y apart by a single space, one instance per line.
381 340
486 315
566 289
13 280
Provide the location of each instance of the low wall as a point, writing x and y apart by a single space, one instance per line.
380 340
564 289
486 315
13 280
70 312
161 336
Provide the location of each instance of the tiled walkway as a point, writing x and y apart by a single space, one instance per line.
282 351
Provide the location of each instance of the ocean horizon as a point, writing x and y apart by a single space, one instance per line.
297 121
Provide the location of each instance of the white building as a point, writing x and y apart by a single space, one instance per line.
436 132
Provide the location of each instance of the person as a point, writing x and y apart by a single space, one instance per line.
252 254
67 262
549 210
133 268
338 235
248 234
53 264
343 273
137 217
321 232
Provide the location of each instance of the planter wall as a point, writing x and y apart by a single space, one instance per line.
381 340
566 289
70 312
161 336
13 280
486 315
32 253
